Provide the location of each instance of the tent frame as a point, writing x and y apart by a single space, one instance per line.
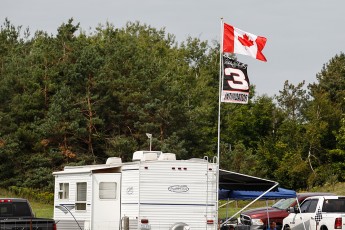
258 198
232 181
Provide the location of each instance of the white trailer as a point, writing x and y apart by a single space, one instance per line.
155 192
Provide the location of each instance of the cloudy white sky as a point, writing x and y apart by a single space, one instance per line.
302 35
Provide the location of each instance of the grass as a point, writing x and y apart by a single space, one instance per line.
336 188
44 210
235 206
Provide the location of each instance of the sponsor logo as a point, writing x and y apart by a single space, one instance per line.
130 190
178 188
236 97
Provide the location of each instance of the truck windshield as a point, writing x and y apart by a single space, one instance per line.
20 209
284 203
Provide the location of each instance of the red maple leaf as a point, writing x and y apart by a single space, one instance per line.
245 41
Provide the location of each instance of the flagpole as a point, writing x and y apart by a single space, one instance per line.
220 86
219 102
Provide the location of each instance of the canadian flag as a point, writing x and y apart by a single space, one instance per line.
241 42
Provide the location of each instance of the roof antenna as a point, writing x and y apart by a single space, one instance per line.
149 135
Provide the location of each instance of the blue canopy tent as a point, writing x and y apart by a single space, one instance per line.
281 193
236 186
236 181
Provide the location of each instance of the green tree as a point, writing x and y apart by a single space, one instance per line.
325 115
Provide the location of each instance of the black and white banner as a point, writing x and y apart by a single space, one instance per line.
235 81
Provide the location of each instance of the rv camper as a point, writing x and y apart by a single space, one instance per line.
154 191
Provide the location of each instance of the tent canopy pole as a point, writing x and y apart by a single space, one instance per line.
227 220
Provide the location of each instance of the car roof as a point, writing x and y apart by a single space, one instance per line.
308 194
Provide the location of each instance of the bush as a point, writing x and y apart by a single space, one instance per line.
33 194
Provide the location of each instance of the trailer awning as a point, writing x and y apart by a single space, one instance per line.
282 193
235 181
236 186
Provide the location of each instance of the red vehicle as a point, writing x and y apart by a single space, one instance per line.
258 218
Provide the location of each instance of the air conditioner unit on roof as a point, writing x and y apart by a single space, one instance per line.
167 156
146 155
114 160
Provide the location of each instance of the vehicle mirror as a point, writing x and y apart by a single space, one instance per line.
291 209
296 209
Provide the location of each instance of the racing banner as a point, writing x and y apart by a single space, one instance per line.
235 81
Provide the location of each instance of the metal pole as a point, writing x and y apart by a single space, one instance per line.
149 135
219 102
220 87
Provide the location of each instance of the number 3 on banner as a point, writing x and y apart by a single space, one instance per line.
239 81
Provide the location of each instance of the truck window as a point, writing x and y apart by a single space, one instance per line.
15 209
309 206
333 205
5 210
21 209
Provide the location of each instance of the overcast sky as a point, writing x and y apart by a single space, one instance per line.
302 35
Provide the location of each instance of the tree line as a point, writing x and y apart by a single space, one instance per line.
77 98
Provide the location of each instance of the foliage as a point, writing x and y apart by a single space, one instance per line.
32 194
78 98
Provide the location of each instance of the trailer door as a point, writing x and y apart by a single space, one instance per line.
106 201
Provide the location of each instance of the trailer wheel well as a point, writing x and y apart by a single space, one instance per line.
179 226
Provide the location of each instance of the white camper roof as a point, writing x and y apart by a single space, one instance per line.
154 157
85 169
227 179
166 157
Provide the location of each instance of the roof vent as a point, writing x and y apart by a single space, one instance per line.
113 160
146 155
167 157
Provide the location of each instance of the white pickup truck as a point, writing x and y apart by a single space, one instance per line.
317 213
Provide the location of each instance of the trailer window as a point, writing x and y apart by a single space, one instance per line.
107 190
63 191
80 203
